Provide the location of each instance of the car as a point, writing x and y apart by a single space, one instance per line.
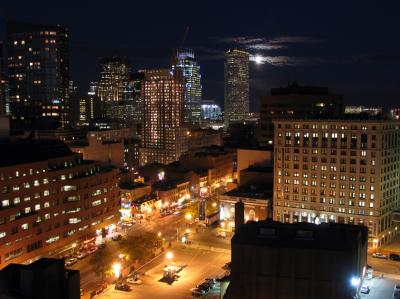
93 249
81 255
196 292
133 280
396 292
122 287
221 234
364 289
70 261
204 286
211 282
102 246
394 257
227 266
116 237
379 255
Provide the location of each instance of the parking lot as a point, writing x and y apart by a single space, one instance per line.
200 265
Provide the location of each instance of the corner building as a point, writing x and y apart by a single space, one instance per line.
51 197
338 170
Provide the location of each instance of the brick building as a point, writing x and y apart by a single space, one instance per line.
51 197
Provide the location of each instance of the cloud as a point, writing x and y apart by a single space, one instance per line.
288 60
258 43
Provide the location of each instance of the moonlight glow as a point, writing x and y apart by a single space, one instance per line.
258 59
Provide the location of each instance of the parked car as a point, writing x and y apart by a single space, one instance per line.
122 287
93 249
364 289
70 261
211 282
196 292
82 254
379 255
227 266
221 234
133 280
396 292
204 286
394 257
116 237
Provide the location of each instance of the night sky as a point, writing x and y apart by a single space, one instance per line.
353 48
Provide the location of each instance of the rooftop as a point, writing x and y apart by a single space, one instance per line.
326 236
252 191
30 151
132 186
361 117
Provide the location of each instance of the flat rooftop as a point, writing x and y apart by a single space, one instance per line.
252 191
30 151
326 236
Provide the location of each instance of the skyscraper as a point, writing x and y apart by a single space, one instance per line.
163 135
236 100
2 84
186 63
38 69
136 87
114 87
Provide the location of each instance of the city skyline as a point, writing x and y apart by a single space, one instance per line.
311 50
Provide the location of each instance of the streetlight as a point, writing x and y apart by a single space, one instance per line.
187 230
188 216
117 270
159 234
214 204
375 242
73 247
169 255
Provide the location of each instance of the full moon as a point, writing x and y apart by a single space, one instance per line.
258 59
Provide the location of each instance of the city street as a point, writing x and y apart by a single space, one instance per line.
200 265
169 226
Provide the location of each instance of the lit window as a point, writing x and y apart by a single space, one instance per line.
46 193
37 207
2 234
25 226
5 203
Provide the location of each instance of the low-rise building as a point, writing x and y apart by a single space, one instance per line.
199 138
302 260
257 200
51 197
171 193
135 200
45 279
217 160
113 147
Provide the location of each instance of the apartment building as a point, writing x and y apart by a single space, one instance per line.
51 197
338 170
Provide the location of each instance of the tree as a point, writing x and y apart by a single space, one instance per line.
102 260
140 247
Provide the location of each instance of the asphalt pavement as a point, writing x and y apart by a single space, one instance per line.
201 264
